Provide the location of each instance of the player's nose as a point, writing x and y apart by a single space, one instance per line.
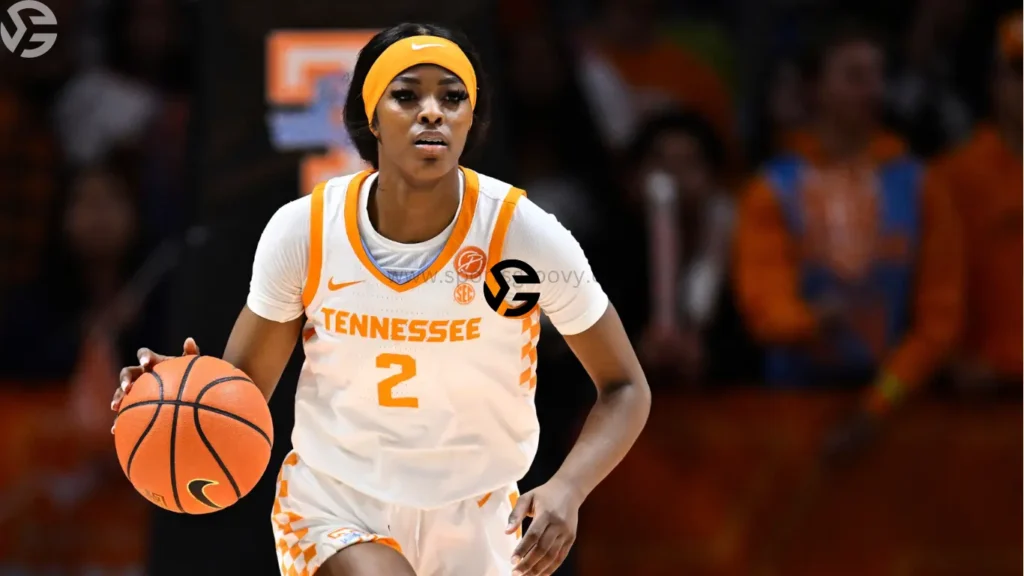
431 113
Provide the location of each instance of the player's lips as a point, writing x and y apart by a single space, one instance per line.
431 142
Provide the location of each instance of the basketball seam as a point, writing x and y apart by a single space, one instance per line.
202 436
218 411
152 422
174 431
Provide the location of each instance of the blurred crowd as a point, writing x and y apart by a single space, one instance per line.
92 148
786 194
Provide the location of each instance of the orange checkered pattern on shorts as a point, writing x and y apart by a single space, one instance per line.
531 335
297 554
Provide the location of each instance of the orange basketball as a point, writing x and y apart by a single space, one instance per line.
194 435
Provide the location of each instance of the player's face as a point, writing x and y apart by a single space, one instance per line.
423 121
853 83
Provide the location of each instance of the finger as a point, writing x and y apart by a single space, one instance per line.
523 508
541 556
128 376
540 560
190 347
115 404
547 565
145 356
148 359
563 552
529 541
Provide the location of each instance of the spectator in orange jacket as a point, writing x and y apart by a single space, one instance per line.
846 264
984 177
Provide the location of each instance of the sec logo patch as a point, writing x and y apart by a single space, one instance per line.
464 293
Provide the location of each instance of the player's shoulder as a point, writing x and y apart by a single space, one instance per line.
491 189
531 230
322 199
499 192
338 185
293 213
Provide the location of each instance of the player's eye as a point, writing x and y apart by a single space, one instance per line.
403 95
456 96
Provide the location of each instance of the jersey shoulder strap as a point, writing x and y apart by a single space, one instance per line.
502 199
316 244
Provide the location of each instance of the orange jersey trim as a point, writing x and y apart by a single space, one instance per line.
497 245
316 244
462 224
508 208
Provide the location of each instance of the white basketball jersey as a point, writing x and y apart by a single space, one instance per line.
417 394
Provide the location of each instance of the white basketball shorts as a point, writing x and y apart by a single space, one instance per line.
315 516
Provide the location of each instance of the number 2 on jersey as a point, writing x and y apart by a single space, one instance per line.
385 387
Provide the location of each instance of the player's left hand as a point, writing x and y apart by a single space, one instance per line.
554 508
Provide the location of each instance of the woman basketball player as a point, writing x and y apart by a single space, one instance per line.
414 409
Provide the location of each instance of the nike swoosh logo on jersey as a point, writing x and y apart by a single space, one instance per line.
422 46
332 286
197 488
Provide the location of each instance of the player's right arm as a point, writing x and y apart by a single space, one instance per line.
268 326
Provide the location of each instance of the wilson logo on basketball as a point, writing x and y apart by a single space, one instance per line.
464 293
470 263
155 498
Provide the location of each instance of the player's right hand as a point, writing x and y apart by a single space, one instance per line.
147 360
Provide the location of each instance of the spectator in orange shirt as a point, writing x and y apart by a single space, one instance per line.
985 179
846 258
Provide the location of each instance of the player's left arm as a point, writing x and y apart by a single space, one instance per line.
577 306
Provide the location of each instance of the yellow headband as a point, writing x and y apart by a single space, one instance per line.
410 52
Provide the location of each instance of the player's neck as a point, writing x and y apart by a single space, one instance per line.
411 213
